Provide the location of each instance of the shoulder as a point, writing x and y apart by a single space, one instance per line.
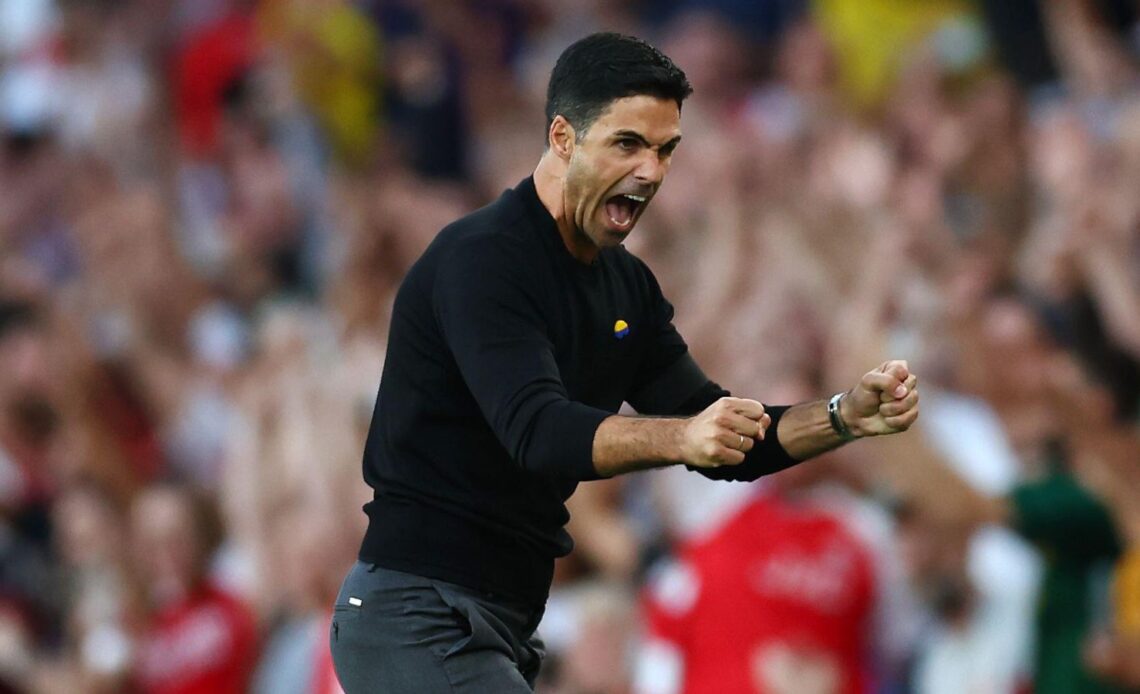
622 259
495 234
490 258
632 269
490 241
485 255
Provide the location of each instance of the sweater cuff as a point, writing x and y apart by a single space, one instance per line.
765 458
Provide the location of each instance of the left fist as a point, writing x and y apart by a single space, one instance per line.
885 401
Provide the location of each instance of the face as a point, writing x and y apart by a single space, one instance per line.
167 550
616 167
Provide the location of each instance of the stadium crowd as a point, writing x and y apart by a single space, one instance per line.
205 209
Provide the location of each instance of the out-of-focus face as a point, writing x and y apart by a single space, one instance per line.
26 354
165 544
88 532
616 168
1017 348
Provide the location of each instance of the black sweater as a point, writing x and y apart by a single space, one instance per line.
504 356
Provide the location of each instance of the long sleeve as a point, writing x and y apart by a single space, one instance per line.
496 330
765 458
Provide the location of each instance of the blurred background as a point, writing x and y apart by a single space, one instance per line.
205 209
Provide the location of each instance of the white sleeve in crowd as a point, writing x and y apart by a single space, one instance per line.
967 432
659 668
674 588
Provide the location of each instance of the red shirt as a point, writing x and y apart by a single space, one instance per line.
779 599
206 644
204 67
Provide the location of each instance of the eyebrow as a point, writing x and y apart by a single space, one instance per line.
621 134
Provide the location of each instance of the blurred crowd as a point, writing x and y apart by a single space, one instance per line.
205 209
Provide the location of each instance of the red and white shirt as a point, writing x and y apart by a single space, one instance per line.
779 599
206 644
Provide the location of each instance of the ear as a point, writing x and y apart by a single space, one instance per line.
561 138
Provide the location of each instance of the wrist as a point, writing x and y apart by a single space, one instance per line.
840 415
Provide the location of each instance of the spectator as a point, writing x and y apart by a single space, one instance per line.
195 637
796 592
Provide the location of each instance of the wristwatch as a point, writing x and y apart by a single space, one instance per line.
837 422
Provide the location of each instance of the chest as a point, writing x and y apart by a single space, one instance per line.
602 327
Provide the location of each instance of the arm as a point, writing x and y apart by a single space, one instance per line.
496 331
885 401
1112 284
603 535
722 434
670 382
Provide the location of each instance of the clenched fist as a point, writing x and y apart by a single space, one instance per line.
885 401
723 432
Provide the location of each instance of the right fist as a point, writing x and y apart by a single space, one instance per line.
724 432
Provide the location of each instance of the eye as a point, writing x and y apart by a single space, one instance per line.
628 144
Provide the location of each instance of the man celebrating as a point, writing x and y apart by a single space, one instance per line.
515 339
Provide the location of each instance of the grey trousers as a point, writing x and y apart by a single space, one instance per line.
394 632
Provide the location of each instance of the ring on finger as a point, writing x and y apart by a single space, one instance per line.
741 441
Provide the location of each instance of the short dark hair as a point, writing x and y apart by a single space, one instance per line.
604 67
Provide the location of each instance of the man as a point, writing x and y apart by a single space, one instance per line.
514 341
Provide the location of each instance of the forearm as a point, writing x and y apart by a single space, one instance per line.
716 441
1113 287
626 444
602 534
805 431
885 401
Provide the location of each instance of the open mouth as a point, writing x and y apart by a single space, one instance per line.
622 210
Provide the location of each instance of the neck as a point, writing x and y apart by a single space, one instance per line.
550 184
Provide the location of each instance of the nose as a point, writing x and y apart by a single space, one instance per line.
651 169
